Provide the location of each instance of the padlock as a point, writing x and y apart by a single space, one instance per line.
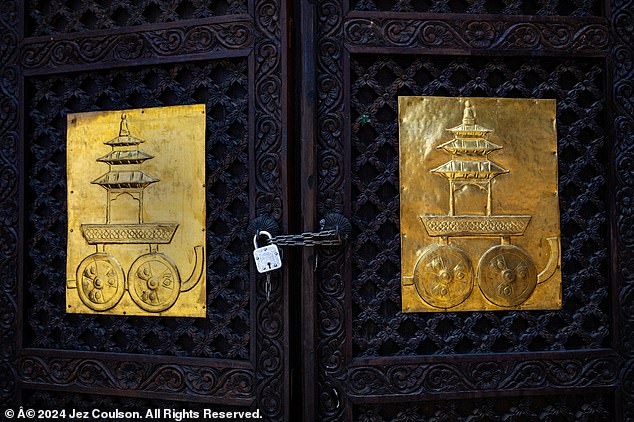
267 258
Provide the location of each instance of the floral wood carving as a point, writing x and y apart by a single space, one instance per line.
563 408
458 376
123 47
461 33
9 182
188 381
622 22
269 132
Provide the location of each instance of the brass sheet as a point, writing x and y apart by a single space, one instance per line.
136 212
494 245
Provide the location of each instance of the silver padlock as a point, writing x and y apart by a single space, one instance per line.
267 258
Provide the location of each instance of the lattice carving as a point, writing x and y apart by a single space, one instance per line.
222 85
547 408
50 16
504 7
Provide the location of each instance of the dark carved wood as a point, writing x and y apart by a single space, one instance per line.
60 399
268 176
121 47
587 407
460 32
227 331
235 64
426 378
9 191
228 383
366 353
622 157
46 17
367 350
503 8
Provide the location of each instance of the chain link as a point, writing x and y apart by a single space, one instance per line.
323 238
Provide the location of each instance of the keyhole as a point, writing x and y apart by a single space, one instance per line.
269 264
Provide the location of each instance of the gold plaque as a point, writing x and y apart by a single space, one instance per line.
479 204
136 212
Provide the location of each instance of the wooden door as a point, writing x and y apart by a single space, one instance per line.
67 56
371 361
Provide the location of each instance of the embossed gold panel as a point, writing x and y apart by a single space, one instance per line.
479 204
136 212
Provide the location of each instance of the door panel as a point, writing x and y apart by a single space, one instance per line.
66 57
375 363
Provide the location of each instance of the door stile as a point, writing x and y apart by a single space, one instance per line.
621 72
308 181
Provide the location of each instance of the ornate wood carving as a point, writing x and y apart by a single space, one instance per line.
222 85
59 16
358 293
330 289
269 132
590 36
108 48
127 373
459 375
244 334
505 8
9 188
623 191
573 408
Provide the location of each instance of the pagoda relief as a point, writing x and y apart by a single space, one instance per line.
447 273
152 280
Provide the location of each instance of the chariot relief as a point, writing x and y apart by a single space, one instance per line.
479 204
136 212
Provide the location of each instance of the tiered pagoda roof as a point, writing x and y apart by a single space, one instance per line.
125 151
469 169
469 140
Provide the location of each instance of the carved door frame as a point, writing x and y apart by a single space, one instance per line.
337 381
256 37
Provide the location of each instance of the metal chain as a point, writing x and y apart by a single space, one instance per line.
323 238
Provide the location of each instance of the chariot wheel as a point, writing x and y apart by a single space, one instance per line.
443 276
506 275
154 282
100 281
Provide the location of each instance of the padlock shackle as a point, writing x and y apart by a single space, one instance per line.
258 234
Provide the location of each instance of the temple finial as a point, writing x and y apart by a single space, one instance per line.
468 117
123 126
